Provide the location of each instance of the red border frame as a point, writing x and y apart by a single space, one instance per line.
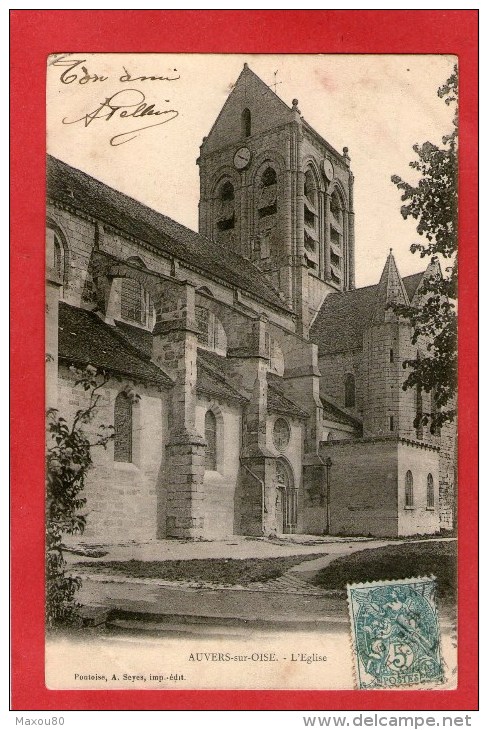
34 35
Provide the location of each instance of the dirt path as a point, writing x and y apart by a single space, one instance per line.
308 569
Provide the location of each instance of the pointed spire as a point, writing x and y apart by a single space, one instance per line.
390 290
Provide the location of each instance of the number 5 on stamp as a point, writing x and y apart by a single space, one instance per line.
395 633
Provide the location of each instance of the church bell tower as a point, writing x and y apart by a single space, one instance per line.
280 195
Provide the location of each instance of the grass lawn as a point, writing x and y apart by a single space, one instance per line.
395 561
223 571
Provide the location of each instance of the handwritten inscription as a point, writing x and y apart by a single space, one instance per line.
75 72
127 103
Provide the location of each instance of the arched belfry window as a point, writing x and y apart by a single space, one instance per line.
123 428
310 220
246 122
134 302
267 193
349 391
336 238
408 489
310 192
336 206
226 207
263 245
430 492
211 439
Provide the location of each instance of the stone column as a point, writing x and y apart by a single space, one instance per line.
350 220
256 478
322 236
175 350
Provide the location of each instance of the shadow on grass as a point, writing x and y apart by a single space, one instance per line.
393 562
212 570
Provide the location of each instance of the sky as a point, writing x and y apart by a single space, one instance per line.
377 106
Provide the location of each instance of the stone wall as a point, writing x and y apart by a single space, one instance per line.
448 476
124 500
220 485
363 487
334 368
418 519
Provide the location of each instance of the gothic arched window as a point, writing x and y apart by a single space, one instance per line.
269 177
408 489
430 492
123 428
134 302
56 254
226 210
246 123
349 391
211 439
211 333
281 434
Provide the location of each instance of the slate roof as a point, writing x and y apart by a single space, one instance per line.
332 412
343 317
278 401
411 283
83 192
214 376
140 339
212 380
85 339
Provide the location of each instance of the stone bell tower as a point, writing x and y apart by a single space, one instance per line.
279 194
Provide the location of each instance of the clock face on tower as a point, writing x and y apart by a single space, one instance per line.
242 158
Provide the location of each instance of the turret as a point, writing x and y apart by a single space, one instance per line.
389 410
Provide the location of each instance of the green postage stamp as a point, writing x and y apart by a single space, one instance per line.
395 633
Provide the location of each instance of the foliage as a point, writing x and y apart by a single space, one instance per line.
433 202
68 458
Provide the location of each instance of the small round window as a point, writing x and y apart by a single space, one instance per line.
281 434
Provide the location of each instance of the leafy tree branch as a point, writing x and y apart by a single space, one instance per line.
433 202
68 458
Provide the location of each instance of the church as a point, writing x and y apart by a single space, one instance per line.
253 390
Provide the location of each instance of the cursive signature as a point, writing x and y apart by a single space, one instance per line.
125 104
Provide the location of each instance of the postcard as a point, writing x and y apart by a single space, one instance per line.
231 320
251 458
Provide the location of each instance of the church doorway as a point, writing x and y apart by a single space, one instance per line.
286 499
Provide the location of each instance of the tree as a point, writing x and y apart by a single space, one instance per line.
68 458
433 202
